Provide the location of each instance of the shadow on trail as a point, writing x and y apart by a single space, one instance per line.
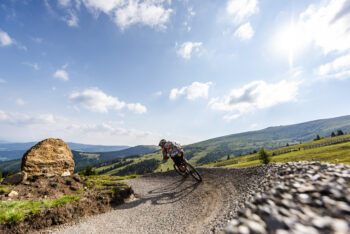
170 193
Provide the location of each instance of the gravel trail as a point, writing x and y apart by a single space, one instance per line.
168 203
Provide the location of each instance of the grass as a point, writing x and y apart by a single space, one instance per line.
108 183
336 153
13 211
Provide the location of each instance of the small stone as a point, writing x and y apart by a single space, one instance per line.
274 224
66 173
322 222
243 229
305 229
304 198
13 194
340 226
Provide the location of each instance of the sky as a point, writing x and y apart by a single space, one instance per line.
131 72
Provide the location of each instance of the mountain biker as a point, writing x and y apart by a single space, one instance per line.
175 152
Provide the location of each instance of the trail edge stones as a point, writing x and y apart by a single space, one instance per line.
50 157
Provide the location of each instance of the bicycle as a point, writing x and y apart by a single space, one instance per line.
189 169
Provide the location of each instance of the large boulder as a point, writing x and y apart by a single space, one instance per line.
49 157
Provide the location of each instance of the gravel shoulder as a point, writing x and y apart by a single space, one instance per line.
167 203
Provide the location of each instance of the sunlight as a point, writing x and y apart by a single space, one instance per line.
289 42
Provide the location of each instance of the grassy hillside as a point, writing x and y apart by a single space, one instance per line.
325 150
82 159
332 149
271 138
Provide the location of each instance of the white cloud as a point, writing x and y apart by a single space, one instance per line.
2 81
35 66
241 10
71 19
5 39
244 32
20 102
150 13
337 69
64 3
193 91
325 25
187 48
61 74
255 95
124 13
22 119
97 101
37 39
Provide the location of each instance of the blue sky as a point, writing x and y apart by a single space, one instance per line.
130 72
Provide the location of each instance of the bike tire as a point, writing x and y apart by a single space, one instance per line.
194 173
178 171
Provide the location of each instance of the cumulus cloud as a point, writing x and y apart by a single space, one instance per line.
255 95
124 13
186 49
97 101
325 25
61 74
244 32
241 10
193 91
337 69
5 39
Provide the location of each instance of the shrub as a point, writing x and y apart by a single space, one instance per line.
88 171
264 157
340 132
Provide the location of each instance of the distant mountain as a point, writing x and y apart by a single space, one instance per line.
10 151
83 159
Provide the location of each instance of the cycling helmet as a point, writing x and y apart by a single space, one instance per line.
162 142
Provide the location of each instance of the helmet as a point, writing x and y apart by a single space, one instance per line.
162 142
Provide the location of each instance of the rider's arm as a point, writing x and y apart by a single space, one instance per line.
165 156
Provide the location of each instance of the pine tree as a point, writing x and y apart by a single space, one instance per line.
264 157
333 134
340 132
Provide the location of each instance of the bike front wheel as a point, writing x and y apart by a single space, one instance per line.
193 172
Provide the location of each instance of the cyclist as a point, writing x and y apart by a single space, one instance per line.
174 150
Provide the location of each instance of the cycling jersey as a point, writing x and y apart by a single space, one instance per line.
173 149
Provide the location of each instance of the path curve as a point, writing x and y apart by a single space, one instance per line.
168 203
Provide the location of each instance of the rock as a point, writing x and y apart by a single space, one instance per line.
77 178
66 173
15 178
49 157
12 194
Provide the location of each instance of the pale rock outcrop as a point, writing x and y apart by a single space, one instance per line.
50 157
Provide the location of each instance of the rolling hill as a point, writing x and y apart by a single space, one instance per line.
243 143
83 159
10 151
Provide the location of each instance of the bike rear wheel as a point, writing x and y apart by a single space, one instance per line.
183 173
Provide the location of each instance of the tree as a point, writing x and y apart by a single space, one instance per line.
264 157
340 132
333 134
287 144
228 157
317 138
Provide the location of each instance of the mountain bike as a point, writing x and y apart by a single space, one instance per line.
189 170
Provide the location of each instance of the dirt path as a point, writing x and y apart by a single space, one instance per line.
167 203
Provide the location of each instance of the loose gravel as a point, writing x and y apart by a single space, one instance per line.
274 198
298 198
